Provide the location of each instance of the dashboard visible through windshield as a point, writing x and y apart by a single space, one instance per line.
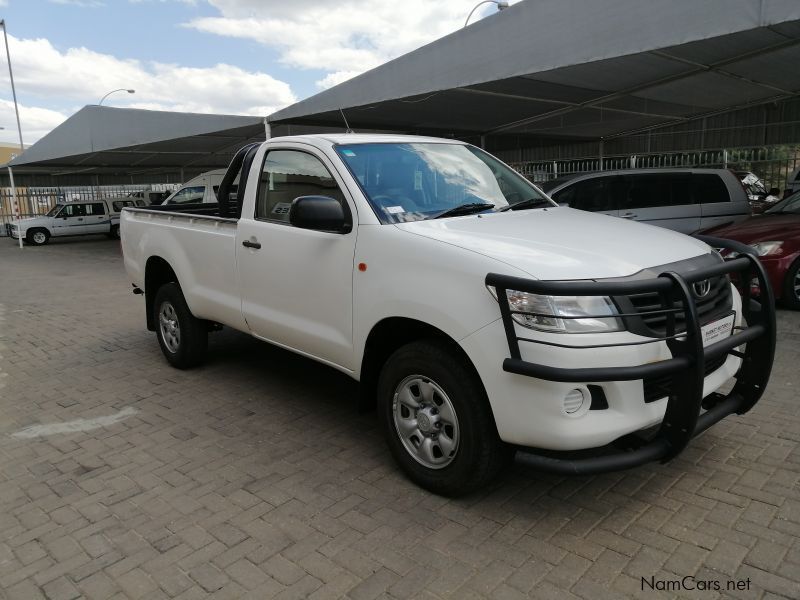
415 181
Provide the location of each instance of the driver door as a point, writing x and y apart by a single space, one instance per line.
297 284
70 221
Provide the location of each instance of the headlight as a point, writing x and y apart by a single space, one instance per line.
545 313
766 248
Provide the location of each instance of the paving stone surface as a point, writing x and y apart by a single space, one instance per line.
255 476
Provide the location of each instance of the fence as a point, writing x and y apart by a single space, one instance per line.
35 201
773 164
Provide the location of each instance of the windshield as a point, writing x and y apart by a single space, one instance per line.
52 212
416 181
787 205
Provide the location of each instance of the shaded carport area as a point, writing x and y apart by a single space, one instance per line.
123 142
103 151
576 72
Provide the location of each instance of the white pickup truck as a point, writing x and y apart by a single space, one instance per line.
72 219
481 318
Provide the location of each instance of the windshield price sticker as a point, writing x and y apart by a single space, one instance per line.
717 330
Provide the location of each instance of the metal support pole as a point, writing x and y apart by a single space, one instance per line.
267 129
16 205
13 89
601 154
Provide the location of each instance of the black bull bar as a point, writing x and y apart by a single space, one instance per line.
683 418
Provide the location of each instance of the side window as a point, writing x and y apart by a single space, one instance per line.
95 208
190 195
709 189
589 194
289 174
73 210
655 191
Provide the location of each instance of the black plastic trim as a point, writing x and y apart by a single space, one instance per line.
683 417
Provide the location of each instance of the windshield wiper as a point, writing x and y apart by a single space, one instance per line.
465 209
529 203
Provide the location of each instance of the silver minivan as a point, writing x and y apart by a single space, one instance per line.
685 200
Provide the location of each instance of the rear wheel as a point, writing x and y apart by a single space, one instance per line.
437 419
791 287
183 337
37 237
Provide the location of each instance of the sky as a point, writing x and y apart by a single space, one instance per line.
248 57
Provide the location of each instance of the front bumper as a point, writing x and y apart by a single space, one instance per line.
685 367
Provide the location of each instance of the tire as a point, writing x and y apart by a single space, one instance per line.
114 233
452 414
183 337
790 297
37 237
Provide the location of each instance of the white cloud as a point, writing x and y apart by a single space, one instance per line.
81 76
36 122
81 3
344 39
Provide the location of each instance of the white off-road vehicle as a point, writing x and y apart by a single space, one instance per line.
479 316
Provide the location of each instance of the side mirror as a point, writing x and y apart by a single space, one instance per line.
321 213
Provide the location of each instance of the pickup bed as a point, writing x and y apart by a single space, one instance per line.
481 319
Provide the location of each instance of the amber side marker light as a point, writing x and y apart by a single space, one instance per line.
362 267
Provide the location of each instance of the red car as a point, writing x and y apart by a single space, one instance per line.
775 236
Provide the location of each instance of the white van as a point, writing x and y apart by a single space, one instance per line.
71 218
201 189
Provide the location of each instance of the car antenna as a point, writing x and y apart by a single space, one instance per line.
346 124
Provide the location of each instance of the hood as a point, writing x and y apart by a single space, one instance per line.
562 243
761 228
26 221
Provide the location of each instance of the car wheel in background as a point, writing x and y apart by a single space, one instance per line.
437 419
183 337
791 287
114 234
37 237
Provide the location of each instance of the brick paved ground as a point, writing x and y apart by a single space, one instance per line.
255 475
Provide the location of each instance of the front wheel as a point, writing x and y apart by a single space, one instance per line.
183 337
437 419
114 233
791 287
37 237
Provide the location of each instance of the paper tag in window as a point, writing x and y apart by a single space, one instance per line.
393 210
281 208
417 180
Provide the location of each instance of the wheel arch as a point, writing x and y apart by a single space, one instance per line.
157 272
384 338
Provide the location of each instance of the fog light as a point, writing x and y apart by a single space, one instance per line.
574 401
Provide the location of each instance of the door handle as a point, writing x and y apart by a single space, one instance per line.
628 215
249 244
80 218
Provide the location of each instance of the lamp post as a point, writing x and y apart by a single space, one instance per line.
13 89
114 92
19 129
500 6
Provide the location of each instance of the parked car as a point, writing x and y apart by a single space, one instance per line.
685 200
775 237
760 198
69 219
201 189
148 197
480 317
